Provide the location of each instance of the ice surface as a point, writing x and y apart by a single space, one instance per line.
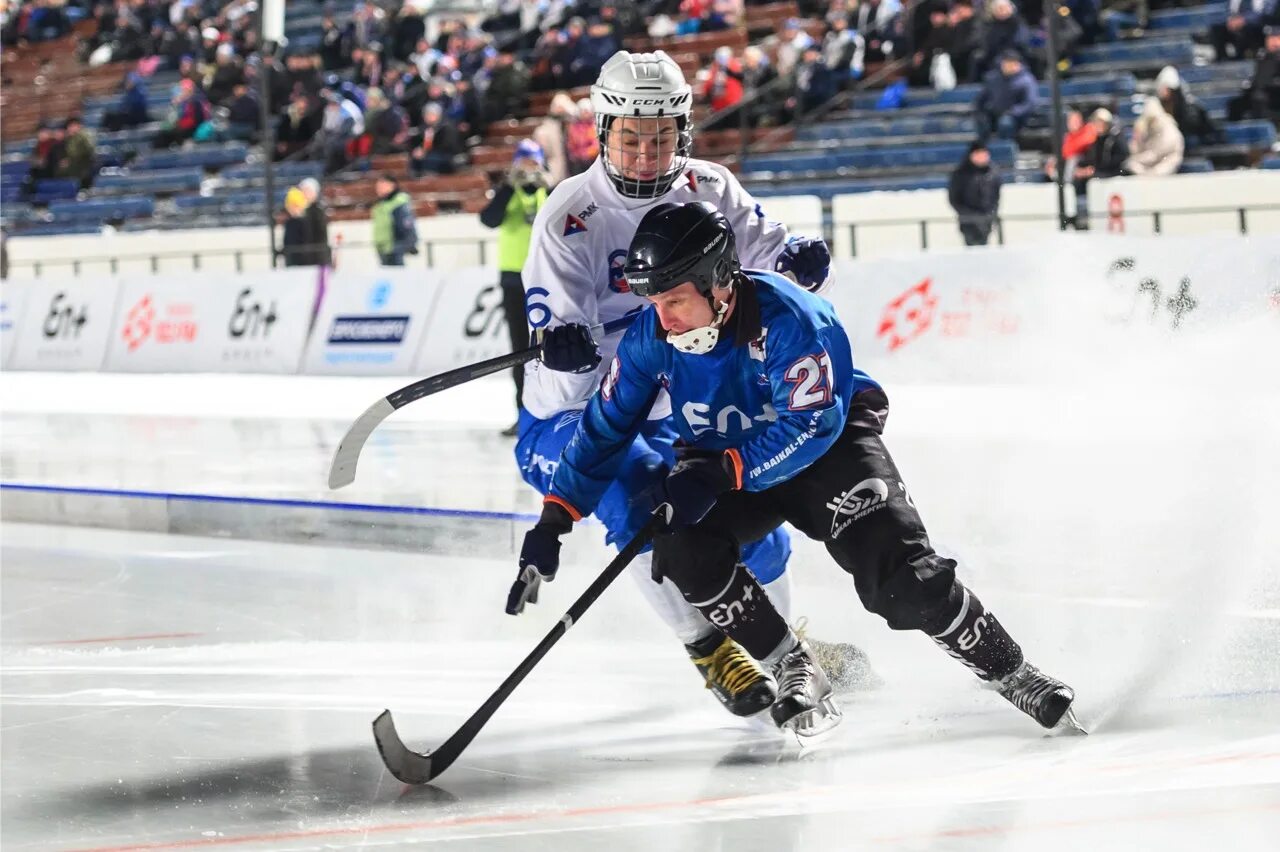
163 691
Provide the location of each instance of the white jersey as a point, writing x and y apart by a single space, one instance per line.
574 270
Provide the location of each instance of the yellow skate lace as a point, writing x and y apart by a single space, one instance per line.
730 667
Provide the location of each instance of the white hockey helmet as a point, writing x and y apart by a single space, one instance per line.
645 85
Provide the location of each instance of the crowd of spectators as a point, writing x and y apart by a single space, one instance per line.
375 84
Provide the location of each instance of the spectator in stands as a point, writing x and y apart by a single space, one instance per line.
966 40
407 31
597 44
342 123
581 142
1193 119
787 46
386 125
974 192
1070 34
1261 98
297 129
722 88
131 110
815 82
221 79
1078 138
441 145
508 89
1157 143
188 112
244 115
1240 34
368 24
301 72
1105 158
1006 32
395 232
929 52
335 42
317 222
1122 18
757 75
550 136
79 159
1008 98
45 156
875 21
843 50
512 208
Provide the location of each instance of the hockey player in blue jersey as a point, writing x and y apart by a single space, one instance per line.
776 424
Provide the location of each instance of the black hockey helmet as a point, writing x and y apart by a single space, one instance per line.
676 243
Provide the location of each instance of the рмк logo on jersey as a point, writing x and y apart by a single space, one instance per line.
574 225
617 281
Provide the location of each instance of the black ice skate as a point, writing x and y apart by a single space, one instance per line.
1043 698
847 666
734 677
804 706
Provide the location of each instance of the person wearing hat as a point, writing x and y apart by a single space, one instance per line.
79 154
295 243
974 193
189 111
1190 115
1008 98
511 210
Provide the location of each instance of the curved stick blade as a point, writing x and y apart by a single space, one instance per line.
342 471
407 766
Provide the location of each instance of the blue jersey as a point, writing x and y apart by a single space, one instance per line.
774 392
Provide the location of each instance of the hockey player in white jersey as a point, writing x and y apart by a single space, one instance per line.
573 280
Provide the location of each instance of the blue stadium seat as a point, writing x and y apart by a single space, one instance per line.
1255 134
1195 166
1199 17
212 156
901 125
1219 72
245 198
164 181
102 209
1271 163
1144 52
55 189
58 229
1002 153
291 171
10 192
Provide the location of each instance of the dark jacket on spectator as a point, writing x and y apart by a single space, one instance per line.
1018 95
1108 154
974 193
999 36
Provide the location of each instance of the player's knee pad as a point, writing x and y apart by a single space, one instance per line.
699 562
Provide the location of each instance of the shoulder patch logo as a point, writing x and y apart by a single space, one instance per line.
573 225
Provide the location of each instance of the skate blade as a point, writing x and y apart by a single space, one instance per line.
1069 725
813 726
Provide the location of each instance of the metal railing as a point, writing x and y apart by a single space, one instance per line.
1085 222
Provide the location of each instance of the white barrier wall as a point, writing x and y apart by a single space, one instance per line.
946 316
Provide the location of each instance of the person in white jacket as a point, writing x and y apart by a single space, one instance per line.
573 281
1157 142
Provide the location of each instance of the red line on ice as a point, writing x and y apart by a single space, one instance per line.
104 639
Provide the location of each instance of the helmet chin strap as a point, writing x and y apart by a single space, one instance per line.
700 341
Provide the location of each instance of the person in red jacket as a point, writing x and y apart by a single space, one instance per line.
723 87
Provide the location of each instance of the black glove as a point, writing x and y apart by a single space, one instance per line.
569 349
539 556
697 481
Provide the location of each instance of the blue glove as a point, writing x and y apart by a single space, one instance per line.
696 482
539 557
568 349
808 259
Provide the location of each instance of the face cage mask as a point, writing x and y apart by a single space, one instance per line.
700 341
633 187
